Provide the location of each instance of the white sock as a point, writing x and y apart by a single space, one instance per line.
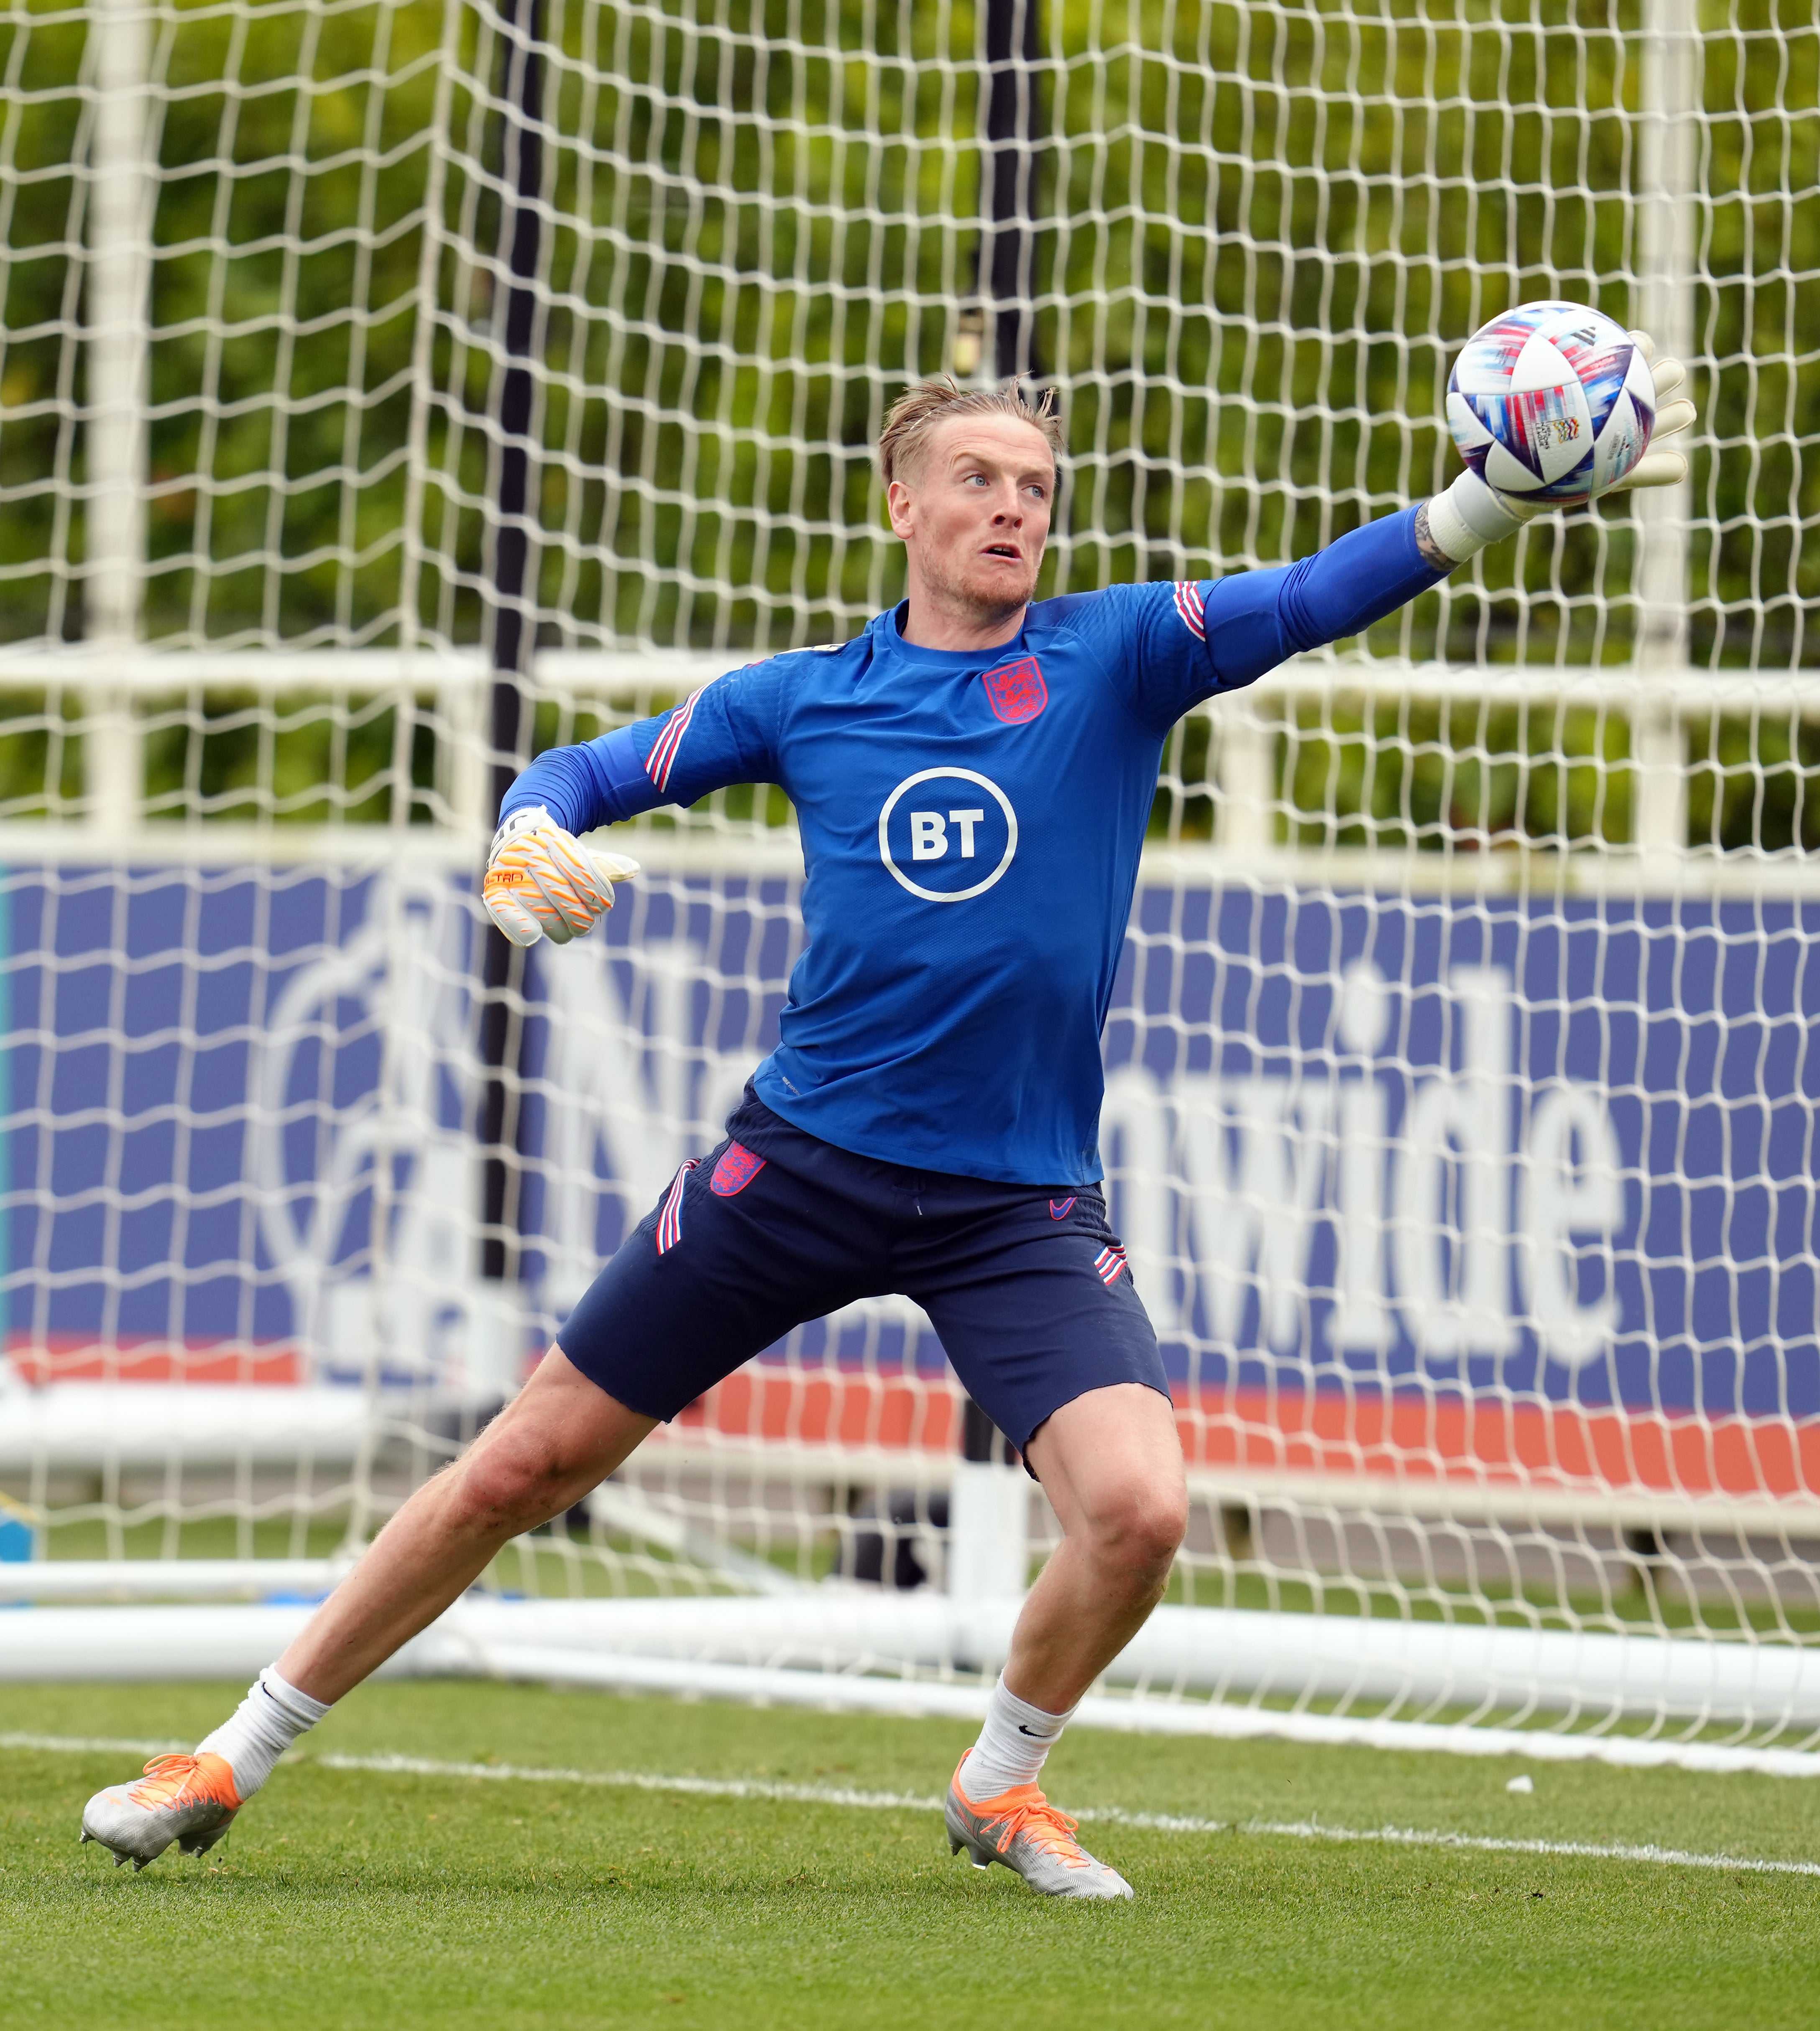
261 1728
1011 1745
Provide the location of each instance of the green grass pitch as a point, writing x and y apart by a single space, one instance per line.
350 1899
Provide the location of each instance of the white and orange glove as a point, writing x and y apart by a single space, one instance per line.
1470 514
541 882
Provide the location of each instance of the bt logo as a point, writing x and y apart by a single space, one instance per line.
929 833
953 829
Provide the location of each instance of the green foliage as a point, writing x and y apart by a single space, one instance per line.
1755 784
293 146
1420 775
291 760
1415 774
39 764
1259 234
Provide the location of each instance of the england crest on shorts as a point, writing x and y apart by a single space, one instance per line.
736 1170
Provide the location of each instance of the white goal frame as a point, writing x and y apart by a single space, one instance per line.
723 1617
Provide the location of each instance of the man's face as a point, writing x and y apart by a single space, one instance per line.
974 515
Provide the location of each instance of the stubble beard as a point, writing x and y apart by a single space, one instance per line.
984 600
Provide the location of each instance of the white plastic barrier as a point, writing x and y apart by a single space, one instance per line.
838 1630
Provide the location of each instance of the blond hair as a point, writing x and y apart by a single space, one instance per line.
919 411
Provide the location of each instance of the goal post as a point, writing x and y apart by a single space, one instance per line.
1460 1108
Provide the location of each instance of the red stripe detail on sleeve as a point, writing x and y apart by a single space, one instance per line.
1192 609
662 758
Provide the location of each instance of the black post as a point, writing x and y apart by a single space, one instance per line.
1013 128
1006 277
514 579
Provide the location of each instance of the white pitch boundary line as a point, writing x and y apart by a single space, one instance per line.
109 1745
907 1801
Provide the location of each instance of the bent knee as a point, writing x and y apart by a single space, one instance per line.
1144 1527
510 1484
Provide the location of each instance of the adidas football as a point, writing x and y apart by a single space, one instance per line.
1551 402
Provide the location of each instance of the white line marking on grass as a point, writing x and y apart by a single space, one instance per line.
910 1801
108 1745
1170 1822
640 1780
1490 1844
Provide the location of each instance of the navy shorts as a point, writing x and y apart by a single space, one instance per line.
1026 1286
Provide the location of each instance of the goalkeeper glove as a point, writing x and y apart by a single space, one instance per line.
543 883
1470 514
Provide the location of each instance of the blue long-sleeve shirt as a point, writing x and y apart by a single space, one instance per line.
972 825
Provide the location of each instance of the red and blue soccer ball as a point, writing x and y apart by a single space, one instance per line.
1551 402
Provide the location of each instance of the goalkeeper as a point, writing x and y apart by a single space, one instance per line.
973 775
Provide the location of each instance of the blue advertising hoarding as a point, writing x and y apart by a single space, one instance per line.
1560 1148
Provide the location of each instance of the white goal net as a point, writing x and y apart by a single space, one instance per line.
388 391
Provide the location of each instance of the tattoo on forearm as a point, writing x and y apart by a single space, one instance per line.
1433 555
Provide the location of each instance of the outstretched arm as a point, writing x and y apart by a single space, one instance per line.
541 882
1433 555
1196 639
1239 627
1457 524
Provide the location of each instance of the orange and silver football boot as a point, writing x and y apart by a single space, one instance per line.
188 1799
1022 1830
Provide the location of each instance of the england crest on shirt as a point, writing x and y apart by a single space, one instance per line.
1015 691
